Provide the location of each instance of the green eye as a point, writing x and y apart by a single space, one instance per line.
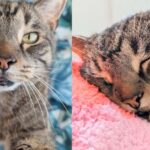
31 38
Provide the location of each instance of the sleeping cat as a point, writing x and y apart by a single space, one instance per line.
26 51
117 61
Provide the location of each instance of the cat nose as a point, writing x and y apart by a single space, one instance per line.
6 62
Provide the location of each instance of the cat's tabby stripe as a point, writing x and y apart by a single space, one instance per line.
27 18
24 68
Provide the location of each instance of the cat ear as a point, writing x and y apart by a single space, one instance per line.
50 10
78 45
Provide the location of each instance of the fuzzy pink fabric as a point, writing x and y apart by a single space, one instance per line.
99 124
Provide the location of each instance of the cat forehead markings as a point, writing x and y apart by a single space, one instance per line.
9 8
20 16
16 10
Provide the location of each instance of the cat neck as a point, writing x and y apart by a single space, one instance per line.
24 96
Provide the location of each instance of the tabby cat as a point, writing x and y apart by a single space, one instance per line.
117 61
26 51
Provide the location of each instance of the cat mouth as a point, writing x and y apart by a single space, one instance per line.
5 82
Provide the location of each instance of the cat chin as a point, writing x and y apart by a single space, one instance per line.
9 88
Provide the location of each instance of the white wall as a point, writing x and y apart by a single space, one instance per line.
91 16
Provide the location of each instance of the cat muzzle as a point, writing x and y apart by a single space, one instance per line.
6 62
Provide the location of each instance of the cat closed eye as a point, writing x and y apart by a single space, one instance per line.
147 49
146 67
31 38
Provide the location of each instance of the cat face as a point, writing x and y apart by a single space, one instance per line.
26 40
118 61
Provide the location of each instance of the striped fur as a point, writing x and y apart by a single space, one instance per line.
24 122
117 61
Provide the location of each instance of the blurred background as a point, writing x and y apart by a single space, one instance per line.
93 16
61 78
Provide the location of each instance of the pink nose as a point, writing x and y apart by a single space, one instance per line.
5 63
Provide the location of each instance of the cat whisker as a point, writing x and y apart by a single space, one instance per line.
41 98
34 93
42 67
30 98
51 79
58 81
54 91
49 71
42 71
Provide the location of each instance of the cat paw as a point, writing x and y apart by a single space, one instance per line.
24 147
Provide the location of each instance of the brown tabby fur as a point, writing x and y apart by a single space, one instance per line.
117 61
24 123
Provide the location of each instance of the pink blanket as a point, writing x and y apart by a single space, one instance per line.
99 124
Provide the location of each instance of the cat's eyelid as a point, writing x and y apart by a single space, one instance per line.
147 48
27 38
145 60
26 46
35 31
143 65
32 32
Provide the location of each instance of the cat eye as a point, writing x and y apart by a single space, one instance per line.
31 38
146 68
147 49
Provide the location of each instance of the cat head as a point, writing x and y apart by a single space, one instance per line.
118 60
26 40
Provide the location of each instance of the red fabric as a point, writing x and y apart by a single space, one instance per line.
99 124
